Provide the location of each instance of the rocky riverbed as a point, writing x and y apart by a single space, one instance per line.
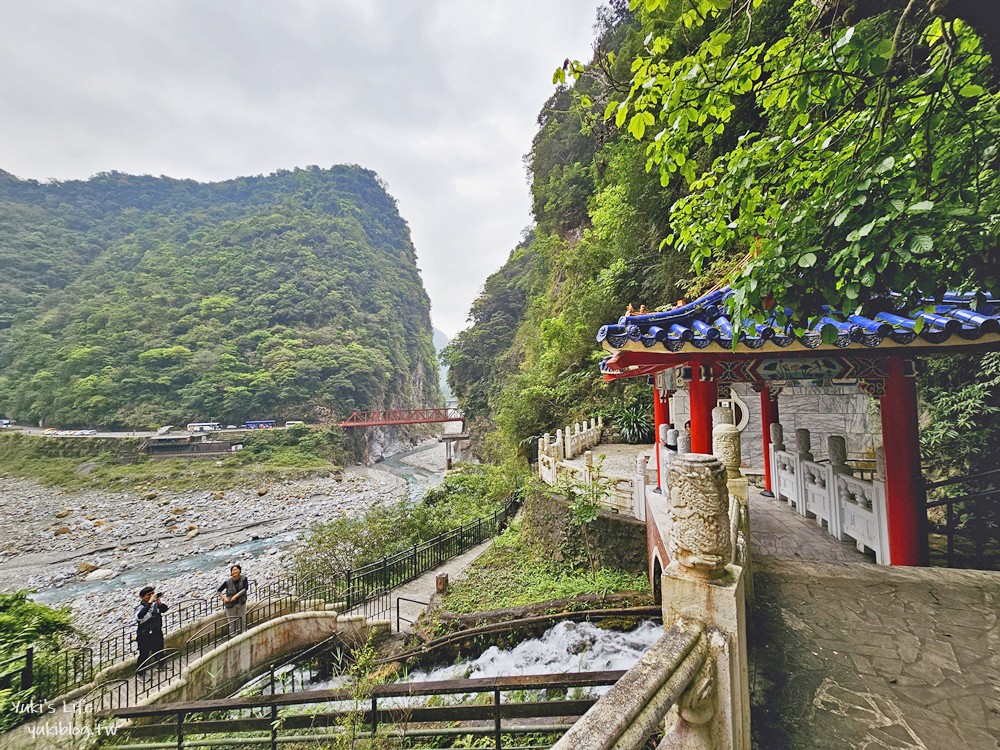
93 550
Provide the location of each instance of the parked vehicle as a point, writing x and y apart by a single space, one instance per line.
294 422
260 424
203 426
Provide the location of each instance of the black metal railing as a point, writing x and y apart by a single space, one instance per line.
16 672
366 590
526 711
59 672
399 617
395 570
966 532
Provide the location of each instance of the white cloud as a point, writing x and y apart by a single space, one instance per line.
437 96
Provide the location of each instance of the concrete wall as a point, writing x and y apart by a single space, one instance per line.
225 667
824 411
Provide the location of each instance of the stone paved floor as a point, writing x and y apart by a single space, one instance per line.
847 655
618 458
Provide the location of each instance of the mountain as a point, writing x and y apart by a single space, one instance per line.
441 340
131 301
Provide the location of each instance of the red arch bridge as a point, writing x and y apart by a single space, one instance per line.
402 416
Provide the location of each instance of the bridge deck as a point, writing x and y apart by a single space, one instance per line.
847 654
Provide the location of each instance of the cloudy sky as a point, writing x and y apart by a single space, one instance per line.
437 96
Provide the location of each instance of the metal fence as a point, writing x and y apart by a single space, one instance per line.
365 590
390 572
969 525
16 671
526 711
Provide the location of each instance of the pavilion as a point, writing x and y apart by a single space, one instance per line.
878 352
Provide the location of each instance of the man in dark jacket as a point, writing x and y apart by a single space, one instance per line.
234 591
149 622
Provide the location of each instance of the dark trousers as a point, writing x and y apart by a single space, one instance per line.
149 643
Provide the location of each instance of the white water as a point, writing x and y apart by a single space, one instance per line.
565 647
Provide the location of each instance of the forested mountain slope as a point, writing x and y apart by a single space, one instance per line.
132 301
802 157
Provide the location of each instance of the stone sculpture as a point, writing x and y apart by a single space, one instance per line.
803 444
722 415
698 534
777 436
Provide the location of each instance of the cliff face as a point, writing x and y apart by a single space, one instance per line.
136 301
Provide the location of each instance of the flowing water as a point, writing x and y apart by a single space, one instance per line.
565 648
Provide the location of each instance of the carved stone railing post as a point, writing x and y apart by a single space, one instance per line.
722 415
568 438
836 449
560 449
700 581
777 437
698 511
639 488
664 452
683 443
803 444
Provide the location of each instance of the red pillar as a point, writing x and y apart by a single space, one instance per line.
768 416
903 480
661 415
704 398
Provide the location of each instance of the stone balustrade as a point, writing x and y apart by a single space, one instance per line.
693 682
850 508
572 441
626 495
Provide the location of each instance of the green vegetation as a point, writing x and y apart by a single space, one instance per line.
471 492
26 623
117 464
801 158
139 301
511 574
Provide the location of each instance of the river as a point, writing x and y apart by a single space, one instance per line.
183 543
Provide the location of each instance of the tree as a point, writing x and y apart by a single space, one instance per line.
872 168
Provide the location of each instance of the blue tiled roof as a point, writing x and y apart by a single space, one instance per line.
705 324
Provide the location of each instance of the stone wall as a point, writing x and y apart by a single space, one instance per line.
616 540
823 410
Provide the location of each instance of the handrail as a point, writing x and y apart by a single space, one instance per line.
638 703
961 480
120 644
391 690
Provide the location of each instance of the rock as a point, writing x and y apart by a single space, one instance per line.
179 510
191 534
63 513
85 567
100 522
261 491
192 527
101 574
150 496
218 495
62 530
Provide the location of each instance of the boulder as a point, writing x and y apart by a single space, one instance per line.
191 534
261 491
85 567
101 574
62 530
63 513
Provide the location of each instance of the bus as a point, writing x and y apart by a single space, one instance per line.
203 426
260 424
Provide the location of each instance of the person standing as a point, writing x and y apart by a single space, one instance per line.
148 615
234 591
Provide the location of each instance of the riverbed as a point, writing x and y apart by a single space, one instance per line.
91 551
